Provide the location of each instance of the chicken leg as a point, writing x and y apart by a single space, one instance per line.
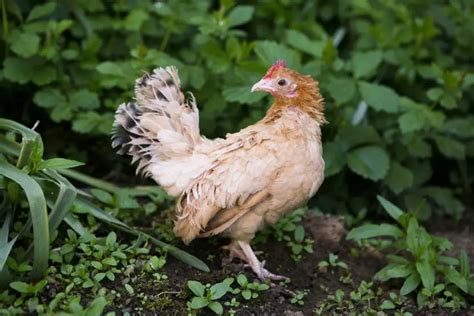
257 266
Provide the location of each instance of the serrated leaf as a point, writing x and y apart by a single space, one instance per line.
374 230
341 90
239 15
380 98
26 44
365 63
48 98
85 99
300 41
399 178
370 162
40 11
269 52
450 147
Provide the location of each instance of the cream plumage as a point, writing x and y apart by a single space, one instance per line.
232 186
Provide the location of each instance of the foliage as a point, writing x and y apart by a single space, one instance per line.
208 296
37 199
332 262
396 78
249 290
425 268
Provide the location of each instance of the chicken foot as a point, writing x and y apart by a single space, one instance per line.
257 266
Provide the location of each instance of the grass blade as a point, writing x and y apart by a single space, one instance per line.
39 215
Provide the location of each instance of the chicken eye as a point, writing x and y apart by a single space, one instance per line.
281 82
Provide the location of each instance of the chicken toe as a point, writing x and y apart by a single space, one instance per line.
257 266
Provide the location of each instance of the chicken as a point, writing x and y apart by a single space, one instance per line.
233 186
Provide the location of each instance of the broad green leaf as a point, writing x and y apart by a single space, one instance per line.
380 98
43 74
48 98
392 210
269 52
461 127
26 44
59 163
334 158
300 41
299 233
42 10
351 136
198 302
103 196
445 199
110 68
17 69
394 271
135 20
374 230
450 147
241 95
410 284
365 63
370 162
427 274
239 15
219 290
21 287
196 287
342 89
85 99
399 178
216 307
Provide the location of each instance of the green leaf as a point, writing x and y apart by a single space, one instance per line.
299 233
342 89
17 70
110 261
269 52
351 136
38 213
40 11
135 20
399 178
394 271
464 264
26 44
427 274
239 15
374 230
242 280
218 290
21 287
48 98
216 307
434 94
85 99
387 304
59 163
410 284
129 289
110 68
334 158
103 196
370 162
450 147
380 98
300 41
199 302
392 210
196 287
247 294
365 63
241 95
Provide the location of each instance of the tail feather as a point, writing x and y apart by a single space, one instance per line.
160 125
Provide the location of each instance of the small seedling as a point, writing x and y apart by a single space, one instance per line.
208 296
332 262
298 298
249 290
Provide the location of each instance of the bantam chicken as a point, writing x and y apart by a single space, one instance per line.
233 186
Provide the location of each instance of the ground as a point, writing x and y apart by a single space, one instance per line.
319 283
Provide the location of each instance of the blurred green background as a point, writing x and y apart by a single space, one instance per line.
397 77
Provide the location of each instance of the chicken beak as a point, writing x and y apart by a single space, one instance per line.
263 85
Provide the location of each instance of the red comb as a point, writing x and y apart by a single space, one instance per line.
279 64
